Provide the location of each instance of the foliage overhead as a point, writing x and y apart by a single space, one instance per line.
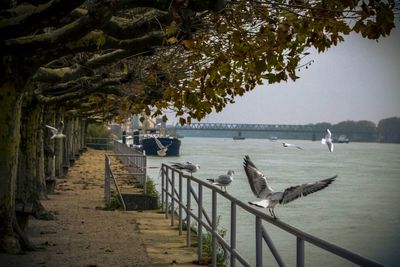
113 58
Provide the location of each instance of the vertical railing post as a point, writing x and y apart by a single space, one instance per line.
163 167
180 203
144 168
199 225
300 252
272 247
173 198
258 242
107 190
214 229
166 192
188 207
233 233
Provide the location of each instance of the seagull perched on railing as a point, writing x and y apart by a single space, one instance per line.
223 180
328 140
288 145
261 189
188 166
57 133
162 151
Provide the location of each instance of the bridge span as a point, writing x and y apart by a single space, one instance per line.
281 131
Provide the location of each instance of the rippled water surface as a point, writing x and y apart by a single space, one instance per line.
359 211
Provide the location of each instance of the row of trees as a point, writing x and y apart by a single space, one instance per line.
387 130
77 61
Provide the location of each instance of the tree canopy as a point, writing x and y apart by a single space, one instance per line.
189 56
78 60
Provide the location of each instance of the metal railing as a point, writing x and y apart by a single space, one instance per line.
99 143
172 194
134 161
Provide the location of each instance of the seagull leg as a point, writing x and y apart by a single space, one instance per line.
273 214
270 212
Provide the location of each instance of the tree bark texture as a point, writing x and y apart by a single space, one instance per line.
10 115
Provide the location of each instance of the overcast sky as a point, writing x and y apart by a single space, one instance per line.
357 80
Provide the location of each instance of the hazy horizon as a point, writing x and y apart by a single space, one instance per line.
357 80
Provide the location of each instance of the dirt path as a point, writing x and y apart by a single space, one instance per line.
86 235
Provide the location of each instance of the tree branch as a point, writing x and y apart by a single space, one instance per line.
76 90
96 40
31 45
26 19
123 28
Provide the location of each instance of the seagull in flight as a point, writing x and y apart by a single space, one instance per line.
328 140
288 145
188 166
223 180
261 189
57 133
162 151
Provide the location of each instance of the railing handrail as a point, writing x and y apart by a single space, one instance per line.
301 235
115 181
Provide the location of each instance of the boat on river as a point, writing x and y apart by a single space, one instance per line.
239 136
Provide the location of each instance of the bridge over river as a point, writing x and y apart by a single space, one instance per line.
281 131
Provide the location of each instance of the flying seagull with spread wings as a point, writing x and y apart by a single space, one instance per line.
261 189
328 140
162 150
223 180
288 145
57 133
188 166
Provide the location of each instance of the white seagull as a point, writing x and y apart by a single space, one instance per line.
288 145
223 180
328 140
261 189
188 166
57 133
162 151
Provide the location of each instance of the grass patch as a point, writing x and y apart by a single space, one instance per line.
115 202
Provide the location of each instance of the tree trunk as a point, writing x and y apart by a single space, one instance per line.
59 149
10 115
30 175
40 172
49 161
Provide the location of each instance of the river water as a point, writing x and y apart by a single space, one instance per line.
359 211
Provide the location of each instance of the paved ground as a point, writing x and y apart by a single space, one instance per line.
86 235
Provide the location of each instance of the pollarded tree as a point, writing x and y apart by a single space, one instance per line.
114 56
50 50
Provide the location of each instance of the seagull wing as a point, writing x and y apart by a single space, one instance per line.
330 146
329 133
178 165
263 203
297 191
224 179
168 144
53 130
257 180
160 146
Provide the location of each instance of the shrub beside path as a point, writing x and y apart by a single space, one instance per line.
84 234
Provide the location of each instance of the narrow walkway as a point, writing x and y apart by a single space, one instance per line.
86 235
